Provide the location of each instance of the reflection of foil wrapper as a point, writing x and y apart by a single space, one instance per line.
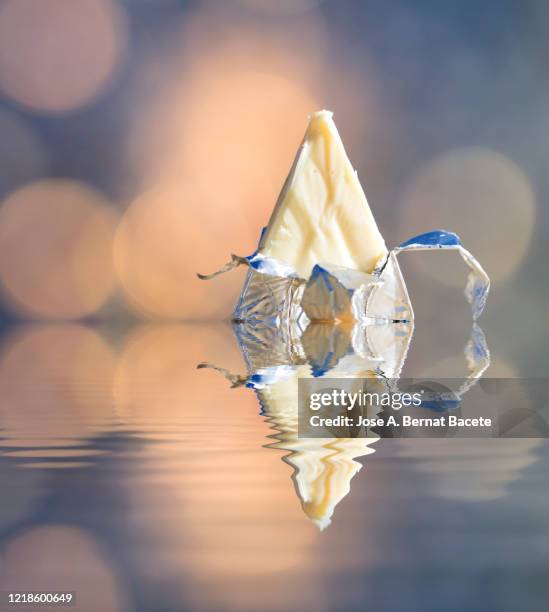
328 349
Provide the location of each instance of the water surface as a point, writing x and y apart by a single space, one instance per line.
142 483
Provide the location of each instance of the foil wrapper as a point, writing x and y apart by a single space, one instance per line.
335 293
274 295
478 282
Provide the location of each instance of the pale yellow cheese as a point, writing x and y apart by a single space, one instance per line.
322 215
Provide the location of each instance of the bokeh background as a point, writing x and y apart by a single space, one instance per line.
143 141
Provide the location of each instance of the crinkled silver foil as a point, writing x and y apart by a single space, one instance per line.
273 295
478 282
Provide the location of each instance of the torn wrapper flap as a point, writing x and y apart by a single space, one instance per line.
478 282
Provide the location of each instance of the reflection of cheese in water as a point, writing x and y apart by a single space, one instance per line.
323 467
322 214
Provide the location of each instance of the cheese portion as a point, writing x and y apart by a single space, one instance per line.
322 215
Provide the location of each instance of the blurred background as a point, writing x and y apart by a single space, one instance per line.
143 141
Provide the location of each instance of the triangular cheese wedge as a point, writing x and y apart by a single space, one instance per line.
322 214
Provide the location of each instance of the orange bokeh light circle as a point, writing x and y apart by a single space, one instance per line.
57 56
56 249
